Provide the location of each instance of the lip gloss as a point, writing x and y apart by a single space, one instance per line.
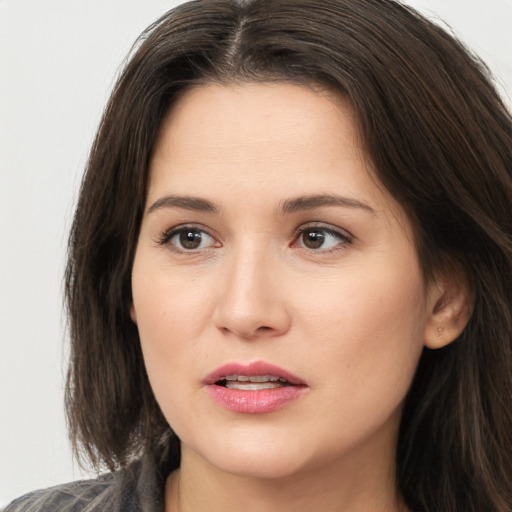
253 401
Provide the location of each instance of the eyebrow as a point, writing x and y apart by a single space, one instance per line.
185 202
317 201
301 203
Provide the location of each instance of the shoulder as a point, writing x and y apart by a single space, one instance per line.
73 497
135 488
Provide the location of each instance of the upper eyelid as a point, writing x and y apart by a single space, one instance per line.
189 225
165 235
326 227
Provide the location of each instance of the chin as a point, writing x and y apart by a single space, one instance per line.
264 458
273 467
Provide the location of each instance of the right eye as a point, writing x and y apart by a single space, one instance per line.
187 239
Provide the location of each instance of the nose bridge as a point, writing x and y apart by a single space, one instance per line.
250 302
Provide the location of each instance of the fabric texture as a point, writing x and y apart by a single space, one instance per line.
137 488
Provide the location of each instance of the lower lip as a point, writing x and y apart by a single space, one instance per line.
254 402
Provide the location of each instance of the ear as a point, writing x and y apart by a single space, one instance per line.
451 303
133 315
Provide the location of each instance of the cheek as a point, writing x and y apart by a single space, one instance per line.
170 319
368 329
171 314
167 303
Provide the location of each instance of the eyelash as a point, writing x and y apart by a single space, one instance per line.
344 238
168 235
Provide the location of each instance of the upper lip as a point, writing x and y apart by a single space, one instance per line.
257 368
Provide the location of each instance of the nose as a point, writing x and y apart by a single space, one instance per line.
251 304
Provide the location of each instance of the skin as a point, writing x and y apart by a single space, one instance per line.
350 317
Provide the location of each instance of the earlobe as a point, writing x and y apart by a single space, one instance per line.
133 315
451 306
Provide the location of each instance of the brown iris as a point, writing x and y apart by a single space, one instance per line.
190 239
313 239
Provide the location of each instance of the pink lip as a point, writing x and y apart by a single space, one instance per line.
253 401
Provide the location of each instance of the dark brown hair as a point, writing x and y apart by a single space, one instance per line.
440 140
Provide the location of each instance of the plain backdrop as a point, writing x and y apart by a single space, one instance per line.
58 61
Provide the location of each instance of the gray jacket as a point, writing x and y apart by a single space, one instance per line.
136 488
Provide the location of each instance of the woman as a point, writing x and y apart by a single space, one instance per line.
289 278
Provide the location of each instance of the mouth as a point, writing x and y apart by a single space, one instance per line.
253 388
252 377
252 382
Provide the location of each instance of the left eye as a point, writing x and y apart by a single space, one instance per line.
188 239
317 238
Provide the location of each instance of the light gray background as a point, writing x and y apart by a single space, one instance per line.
58 60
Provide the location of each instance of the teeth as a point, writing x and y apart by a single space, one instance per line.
253 382
253 386
260 378
253 378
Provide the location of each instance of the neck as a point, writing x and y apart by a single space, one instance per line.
199 486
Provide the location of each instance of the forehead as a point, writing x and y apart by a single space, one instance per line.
271 140
249 116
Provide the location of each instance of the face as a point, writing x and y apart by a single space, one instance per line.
276 287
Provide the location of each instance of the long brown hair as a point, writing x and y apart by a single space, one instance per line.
440 140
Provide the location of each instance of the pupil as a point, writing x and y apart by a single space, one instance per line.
190 239
313 239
